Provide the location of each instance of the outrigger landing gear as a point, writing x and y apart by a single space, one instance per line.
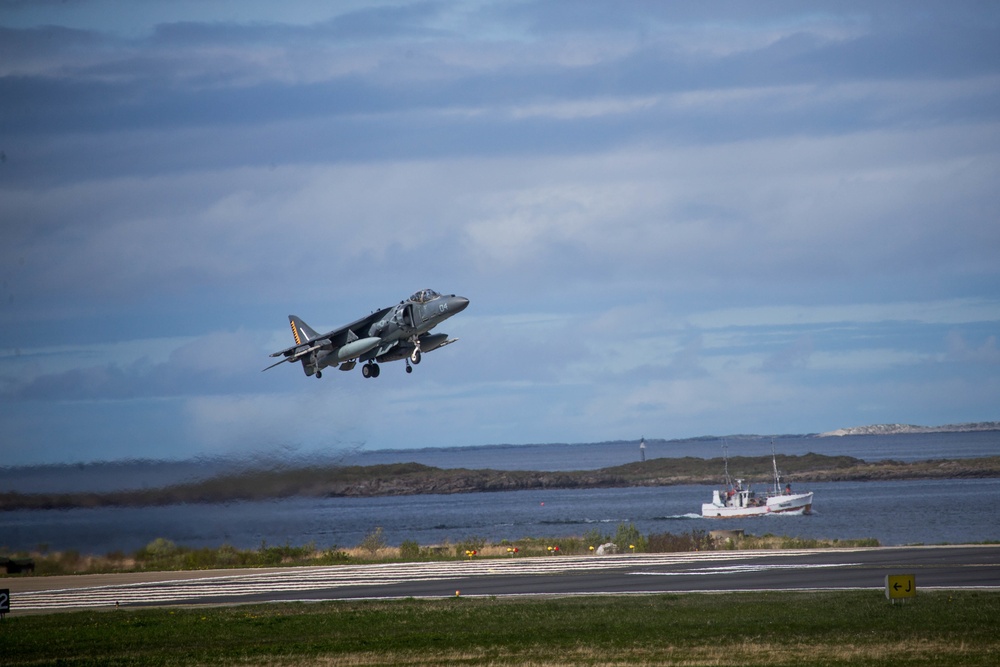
370 370
314 362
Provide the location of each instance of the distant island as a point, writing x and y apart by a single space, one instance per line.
402 479
330 478
903 429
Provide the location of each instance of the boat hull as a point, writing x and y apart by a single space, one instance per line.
797 503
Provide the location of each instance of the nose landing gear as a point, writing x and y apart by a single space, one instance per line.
415 355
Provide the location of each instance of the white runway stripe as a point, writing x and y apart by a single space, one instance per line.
739 569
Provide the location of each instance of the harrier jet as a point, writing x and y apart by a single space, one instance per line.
389 334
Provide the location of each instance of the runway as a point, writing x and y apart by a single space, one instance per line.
940 567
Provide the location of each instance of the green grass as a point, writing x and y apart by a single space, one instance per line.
165 555
746 629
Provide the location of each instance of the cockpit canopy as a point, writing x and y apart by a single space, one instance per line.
424 295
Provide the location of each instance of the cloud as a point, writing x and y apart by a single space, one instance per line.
955 311
961 350
793 357
662 218
215 363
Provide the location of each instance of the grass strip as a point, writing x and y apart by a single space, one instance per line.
773 628
162 554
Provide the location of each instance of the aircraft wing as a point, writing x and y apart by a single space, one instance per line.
335 338
295 353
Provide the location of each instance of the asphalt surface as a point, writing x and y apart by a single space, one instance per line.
941 567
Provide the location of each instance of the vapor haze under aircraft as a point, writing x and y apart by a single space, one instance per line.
390 334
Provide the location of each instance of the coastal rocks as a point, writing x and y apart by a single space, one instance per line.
901 429
726 537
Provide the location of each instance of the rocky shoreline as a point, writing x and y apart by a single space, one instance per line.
416 479
910 429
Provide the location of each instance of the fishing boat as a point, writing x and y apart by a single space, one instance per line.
738 501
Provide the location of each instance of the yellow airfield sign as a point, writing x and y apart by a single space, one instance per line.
900 586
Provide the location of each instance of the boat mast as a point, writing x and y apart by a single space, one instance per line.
774 464
725 458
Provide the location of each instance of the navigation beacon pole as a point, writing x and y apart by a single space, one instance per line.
642 449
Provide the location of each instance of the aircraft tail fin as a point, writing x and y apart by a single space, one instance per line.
301 332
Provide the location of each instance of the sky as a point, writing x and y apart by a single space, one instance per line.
671 220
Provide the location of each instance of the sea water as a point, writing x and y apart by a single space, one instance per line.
894 513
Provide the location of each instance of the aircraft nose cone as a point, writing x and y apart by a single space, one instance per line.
457 303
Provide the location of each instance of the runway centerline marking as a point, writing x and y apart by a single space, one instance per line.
741 569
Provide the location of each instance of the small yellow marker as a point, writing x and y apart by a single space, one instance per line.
900 586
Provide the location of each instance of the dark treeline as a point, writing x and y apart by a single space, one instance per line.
414 478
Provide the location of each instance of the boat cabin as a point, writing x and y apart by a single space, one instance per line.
736 496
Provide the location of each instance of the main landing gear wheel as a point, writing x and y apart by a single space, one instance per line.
370 370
